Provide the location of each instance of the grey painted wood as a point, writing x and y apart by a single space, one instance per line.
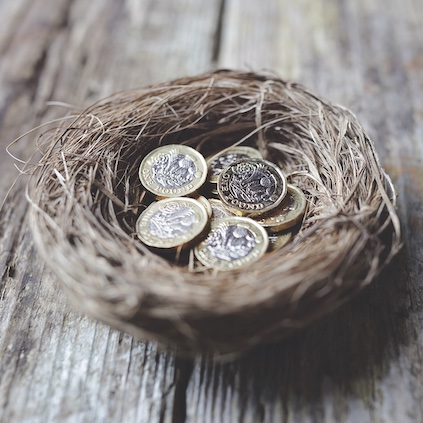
364 363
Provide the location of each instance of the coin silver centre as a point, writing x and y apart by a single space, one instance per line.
251 183
173 170
172 221
231 242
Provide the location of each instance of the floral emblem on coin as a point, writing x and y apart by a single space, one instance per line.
252 186
173 170
230 243
252 183
172 221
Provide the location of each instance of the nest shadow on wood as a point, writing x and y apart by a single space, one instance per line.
86 197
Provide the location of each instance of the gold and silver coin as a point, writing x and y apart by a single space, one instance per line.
223 159
232 242
252 187
172 223
277 241
219 210
173 171
288 213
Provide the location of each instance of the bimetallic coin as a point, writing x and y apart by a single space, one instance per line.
219 210
223 159
206 203
251 187
172 222
288 213
232 242
173 171
277 241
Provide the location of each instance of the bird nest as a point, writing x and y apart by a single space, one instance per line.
86 197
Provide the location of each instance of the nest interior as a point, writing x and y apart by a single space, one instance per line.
86 196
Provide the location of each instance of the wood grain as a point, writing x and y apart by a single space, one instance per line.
363 363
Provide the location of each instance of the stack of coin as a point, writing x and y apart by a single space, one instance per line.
172 172
252 214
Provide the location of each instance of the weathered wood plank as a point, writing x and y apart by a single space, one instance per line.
364 363
57 365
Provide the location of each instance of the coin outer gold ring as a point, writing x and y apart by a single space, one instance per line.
244 209
261 240
198 229
151 185
279 220
247 151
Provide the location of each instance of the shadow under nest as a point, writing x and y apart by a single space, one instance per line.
86 197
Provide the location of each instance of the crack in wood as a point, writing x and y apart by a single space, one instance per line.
183 372
217 39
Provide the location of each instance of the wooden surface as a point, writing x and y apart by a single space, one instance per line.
362 364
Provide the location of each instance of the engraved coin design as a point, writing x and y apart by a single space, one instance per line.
232 242
252 186
173 171
172 222
288 213
219 210
277 241
221 160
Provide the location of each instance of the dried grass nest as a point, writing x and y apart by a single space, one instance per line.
86 196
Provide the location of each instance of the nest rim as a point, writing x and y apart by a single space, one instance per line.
84 195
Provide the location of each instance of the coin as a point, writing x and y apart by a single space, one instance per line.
172 222
288 213
251 186
206 203
232 242
277 241
223 159
173 171
219 210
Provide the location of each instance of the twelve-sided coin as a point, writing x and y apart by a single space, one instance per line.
252 187
232 242
172 223
173 171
